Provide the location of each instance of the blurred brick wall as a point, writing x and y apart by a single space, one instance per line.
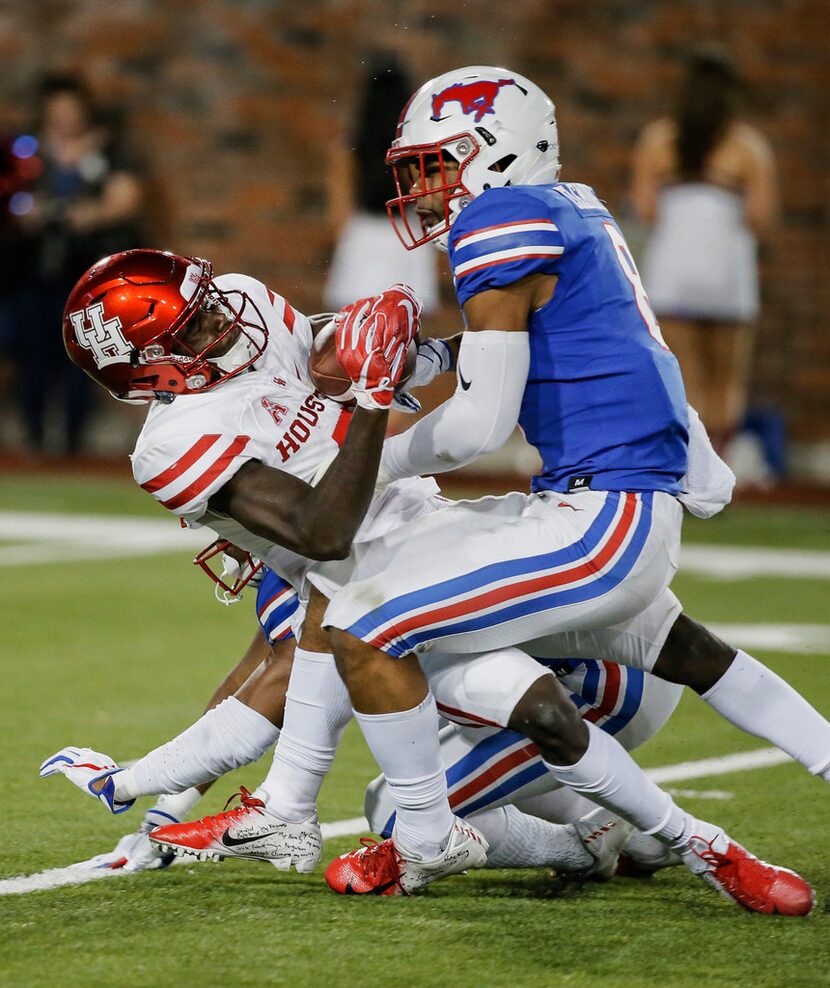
233 106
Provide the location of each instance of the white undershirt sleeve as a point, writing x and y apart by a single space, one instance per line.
709 482
479 417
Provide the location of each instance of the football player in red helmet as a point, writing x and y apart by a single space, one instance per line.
148 324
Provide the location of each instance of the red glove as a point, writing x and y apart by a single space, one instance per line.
373 338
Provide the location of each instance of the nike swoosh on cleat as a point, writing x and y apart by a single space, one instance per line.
229 841
348 890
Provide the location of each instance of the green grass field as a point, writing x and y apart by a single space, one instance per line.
122 654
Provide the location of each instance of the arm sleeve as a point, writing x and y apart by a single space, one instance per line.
478 418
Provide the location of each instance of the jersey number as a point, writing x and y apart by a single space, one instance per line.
629 269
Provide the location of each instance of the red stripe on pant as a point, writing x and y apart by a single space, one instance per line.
493 773
517 589
611 694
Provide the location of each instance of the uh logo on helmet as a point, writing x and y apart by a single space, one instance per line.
127 320
499 128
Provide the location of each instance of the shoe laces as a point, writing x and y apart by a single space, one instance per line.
716 859
726 870
380 862
248 802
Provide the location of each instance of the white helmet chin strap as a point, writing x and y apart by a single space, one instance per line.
231 572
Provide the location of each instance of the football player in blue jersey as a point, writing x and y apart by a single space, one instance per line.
560 339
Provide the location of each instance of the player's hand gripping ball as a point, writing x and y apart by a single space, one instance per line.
376 339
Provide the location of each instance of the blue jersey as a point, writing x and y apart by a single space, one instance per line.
276 605
604 402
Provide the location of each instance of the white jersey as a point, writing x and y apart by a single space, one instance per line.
189 449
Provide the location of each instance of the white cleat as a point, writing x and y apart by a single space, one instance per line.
247 831
382 868
603 835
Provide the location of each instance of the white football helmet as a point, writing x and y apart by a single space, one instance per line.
500 128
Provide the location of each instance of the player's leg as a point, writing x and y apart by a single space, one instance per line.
487 768
686 340
398 717
728 350
278 822
233 733
746 693
487 574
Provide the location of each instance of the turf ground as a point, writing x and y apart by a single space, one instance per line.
119 654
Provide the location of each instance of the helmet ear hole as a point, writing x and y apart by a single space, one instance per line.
503 163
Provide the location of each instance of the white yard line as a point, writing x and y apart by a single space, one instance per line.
67 537
58 538
706 768
806 639
733 562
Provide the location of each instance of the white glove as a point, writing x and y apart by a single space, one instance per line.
434 357
90 771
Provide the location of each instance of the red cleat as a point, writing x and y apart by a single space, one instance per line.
754 884
373 869
381 868
247 831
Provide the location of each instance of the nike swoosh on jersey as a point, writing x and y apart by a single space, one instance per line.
465 385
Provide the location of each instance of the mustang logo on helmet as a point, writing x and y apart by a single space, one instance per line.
102 337
472 97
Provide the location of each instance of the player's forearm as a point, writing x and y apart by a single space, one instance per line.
317 522
477 419
337 505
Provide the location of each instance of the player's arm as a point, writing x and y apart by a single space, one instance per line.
761 201
319 522
648 167
493 362
255 654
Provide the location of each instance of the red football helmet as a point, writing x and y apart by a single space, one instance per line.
239 566
128 320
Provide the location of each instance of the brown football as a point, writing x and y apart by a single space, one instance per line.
329 377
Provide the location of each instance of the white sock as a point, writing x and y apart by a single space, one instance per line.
226 737
405 745
650 853
521 841
317 710
754 698
172 808
608 775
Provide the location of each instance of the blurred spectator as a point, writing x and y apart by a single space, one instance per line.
706 181
83 205
368 256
